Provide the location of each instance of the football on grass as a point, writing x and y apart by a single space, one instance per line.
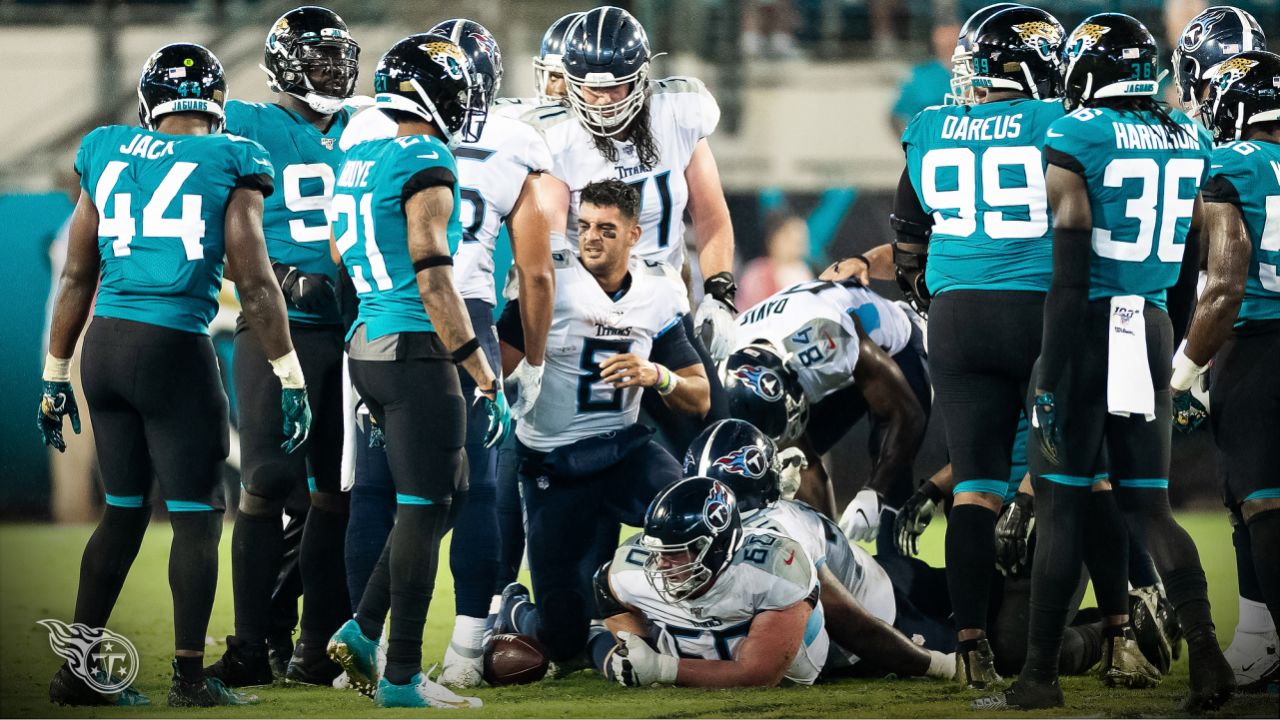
514 660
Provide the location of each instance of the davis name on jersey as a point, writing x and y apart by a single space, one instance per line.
588 326
162 203
977 170
307 162
1247 175
491 173
768 572
1142 182
681 112
812 324
371 232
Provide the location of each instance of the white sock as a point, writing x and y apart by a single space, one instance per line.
468 632
1254 618
495 604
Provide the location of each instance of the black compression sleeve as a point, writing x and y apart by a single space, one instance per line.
673 349
431 177
258 182
1182 296
906 205
510 326
1065 305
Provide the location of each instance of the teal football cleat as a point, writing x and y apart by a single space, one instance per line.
420 692
67 688
205 692
358 656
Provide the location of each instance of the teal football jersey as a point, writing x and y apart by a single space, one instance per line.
1247 175
307 163
977 169
371 231
161 203
1142 185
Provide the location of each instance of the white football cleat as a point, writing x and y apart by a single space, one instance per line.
1255 659
461 671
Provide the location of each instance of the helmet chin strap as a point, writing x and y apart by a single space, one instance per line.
323 104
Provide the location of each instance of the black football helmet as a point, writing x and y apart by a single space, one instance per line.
691 530
429 76
737 454
961 67
486 63
1019 49
765 392
1211 37
605 48
310 55
183 77
1242 91
549 60
1108 55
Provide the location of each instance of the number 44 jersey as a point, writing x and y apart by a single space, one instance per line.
162 202
978 170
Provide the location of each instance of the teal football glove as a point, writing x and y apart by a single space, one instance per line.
57 400
1188 412
297 417
499 413
1044 416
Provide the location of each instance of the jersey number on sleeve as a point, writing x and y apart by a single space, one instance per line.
590 386
189 227
1143 208
347 231
299 203
1002 199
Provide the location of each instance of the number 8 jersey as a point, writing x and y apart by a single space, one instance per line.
978 170
162 202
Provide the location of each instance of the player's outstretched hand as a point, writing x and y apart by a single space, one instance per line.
714 323
860 521
632 663
57 400
529 379
297 417
854 267
1188 412
1013 534
914 517
1044 417
495 405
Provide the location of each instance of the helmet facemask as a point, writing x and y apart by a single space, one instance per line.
677 572
609 119
962 75
544 68
335 53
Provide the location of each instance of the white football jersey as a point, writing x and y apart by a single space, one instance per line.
587 326
811 324
681 112
491 174
768 572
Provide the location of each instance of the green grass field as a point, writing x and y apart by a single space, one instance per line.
40 563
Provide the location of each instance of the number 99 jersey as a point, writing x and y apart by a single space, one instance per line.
812 326
768 572
162 203
1142 182
978 170
307 163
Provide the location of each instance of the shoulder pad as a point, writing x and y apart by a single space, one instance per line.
677 85
653 267
562 259
544 117
777 555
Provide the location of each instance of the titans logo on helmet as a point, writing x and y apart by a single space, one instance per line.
715 511
762 381
746 461
1199 30
487 44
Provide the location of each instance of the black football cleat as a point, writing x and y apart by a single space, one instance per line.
1212 681
1022 695
67 688
310 665
513 596
205 692
242 665
279 651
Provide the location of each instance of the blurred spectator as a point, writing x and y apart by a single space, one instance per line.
930 81
784 263
769 29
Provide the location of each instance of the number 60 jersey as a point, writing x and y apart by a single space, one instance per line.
162 203
977 169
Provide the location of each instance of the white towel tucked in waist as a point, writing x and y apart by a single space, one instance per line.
1129 387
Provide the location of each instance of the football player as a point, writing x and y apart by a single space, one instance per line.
160 206
1123 175
1210 38
501 178
311 63
1238 321
548 64
652 134
809 362
616 331
695 600
412 328
862 605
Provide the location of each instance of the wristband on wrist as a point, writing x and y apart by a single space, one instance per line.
666 380
931 491
1185 370
56 369
289 369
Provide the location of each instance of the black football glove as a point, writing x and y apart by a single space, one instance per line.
309 292
914 517
1013 534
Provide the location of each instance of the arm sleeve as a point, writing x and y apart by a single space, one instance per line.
254 169
83 163
1068 295
671 346
907 208
435 176
510 327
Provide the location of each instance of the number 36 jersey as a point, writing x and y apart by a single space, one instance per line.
162 202
977 169
768 572
812 325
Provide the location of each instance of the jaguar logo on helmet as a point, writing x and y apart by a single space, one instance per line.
1229 72
746 461
762 381
447 56
1039 36
1085 37
1194 36
715 511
